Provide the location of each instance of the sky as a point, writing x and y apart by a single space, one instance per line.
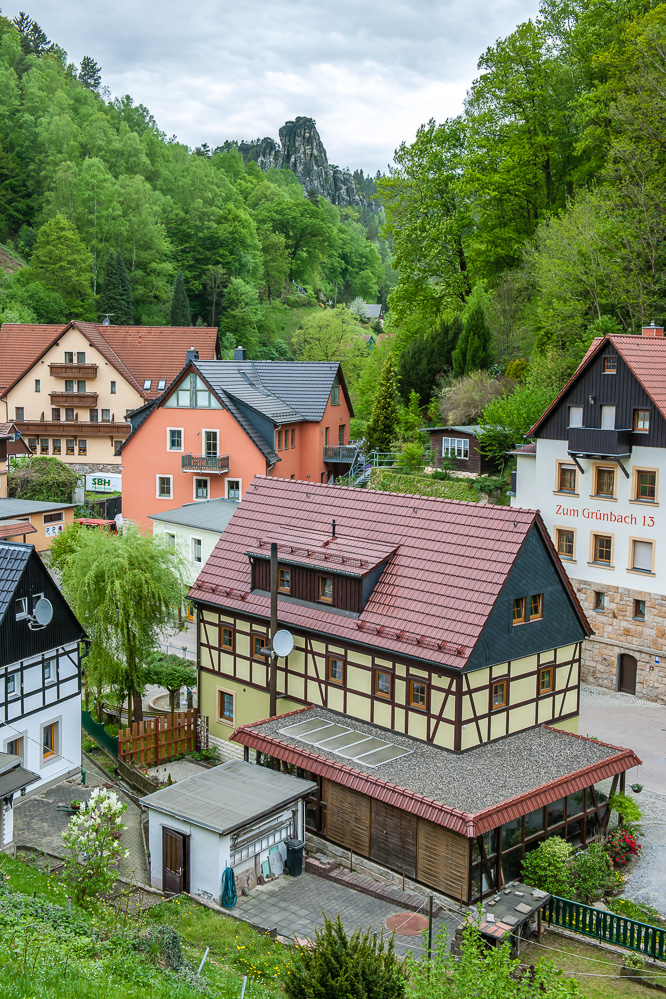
368 71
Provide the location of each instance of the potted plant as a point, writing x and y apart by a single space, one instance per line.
75 803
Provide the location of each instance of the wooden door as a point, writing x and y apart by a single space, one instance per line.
628 667
393 838
347 818
175 875
442 860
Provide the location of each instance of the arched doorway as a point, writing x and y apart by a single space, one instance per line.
628 667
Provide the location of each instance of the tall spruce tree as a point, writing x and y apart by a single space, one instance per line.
90 74
473 349
382 428
116 296
127 310
180 304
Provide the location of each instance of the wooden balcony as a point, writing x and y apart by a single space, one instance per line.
73 370
88 400
593 442
345 453
205 463
72 428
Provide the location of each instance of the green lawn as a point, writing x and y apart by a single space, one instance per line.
578 958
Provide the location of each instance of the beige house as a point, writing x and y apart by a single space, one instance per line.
69 388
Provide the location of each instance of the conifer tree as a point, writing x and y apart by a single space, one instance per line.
381 430
110 299
472 352
90 74
126 317
180 304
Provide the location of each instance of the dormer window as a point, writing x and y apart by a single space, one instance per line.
147 382
325 589
284 580
610 365
335 393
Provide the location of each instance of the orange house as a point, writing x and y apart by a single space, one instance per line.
222 422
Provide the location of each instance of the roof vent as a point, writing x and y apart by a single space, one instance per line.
653 330
192 355
240 354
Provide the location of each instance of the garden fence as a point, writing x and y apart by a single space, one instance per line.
99 734
157 740
607 926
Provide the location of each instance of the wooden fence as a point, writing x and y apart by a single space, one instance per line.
157 740
647 940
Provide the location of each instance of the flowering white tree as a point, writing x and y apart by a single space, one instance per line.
93 840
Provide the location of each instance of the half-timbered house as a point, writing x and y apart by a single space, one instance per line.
432 691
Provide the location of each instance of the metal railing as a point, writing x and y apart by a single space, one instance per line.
607 926
344 452
205 463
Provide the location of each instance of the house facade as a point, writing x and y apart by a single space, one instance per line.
222 422
12 445
430 637
595 471
193 531
40 675
34 520
68 389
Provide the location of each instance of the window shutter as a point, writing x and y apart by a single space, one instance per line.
643 555
608 417
575 416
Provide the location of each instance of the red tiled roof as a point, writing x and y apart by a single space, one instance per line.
355 556
645 356
436 592
468 824
138 353
14 528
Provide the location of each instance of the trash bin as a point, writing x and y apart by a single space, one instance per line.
294 856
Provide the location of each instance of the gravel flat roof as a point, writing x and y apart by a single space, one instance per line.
468 782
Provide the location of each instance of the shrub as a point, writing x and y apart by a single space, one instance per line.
94 834
547 867
592 874
342 967
41 478
628 809
621 845
635 910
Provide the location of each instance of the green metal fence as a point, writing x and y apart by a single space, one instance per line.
607 926
99 734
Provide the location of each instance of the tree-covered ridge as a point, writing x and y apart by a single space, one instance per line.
128 209
548 189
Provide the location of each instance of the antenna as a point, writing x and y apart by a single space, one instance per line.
283 643
41 615
107 317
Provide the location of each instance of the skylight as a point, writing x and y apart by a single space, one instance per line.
161 385
147 383
346 742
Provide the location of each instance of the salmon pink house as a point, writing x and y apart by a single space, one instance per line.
222 422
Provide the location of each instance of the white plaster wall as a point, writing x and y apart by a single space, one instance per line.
588 515
184 537
207 853
6 822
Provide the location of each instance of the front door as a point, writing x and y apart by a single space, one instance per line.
175 876
628 666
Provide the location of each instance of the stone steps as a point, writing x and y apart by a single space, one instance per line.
368 886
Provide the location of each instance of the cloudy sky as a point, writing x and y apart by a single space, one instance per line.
369 72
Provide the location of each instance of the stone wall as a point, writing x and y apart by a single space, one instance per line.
617 632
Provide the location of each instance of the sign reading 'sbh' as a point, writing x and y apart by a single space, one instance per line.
101 483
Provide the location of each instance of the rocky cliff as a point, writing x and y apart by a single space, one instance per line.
301 150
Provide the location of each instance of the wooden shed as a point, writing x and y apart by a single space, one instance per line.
460 444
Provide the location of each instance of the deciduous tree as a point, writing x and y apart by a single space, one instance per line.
61 262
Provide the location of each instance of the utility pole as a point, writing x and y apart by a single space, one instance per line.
274 627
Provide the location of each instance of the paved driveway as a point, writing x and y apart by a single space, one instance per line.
296 906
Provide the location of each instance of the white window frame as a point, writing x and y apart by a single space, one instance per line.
169 431
52 662
632 556
200 478
209 430
161 384
14 694
193 540
157 486
24 612
240 489
459 445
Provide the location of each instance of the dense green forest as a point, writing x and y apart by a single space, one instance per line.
512 233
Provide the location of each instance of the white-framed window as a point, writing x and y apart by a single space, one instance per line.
575 416
197 551
50 670
175 438
234 489
69 357
12 685
192 393
209 443
642 555
455 447
113 388
201 488
164 486
171 540
19 412
161 385
21 607
147 382
106 416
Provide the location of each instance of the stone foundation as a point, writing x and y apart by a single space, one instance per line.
227 750
617 632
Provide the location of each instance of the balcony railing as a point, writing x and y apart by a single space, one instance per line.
594 442
205 463
73 370
87 399
73 428
345 453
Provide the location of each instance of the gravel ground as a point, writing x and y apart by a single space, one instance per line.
647 881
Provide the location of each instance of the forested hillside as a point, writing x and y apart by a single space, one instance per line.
106 212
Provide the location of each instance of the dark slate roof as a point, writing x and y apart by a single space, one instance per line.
303 385
13 777
229 796
240 380
13 560
208 515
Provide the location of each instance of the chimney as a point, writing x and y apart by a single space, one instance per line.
240 354
653 330
192 355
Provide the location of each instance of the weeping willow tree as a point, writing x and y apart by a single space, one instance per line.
125 589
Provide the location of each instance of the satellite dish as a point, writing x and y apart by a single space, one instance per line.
283 643
43 612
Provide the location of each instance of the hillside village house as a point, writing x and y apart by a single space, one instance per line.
40 675
69 388
597 472
223 422
461 447
193 530
432 692
35 520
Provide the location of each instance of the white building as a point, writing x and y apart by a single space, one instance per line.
236 815
193 530
595 473
40 675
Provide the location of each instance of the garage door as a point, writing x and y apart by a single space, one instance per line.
347 818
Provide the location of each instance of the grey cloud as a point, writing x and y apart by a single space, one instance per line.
370 73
